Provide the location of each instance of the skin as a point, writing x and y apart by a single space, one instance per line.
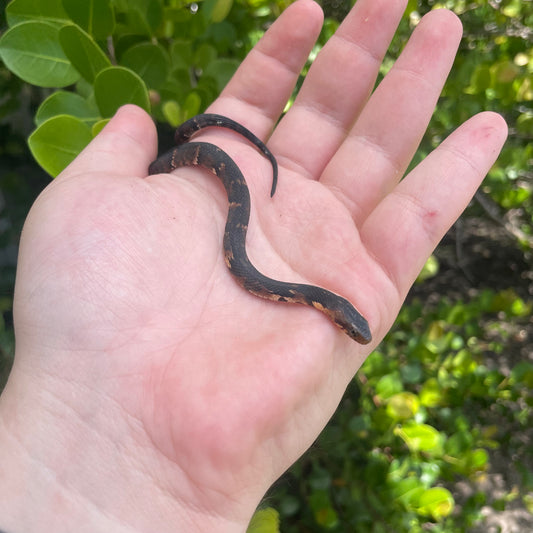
150 392
215 160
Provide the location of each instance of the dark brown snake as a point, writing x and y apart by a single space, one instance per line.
212 158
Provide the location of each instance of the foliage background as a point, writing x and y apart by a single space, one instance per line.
435 431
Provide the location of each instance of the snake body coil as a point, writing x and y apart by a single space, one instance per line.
212 158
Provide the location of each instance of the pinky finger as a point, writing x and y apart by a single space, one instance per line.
407 225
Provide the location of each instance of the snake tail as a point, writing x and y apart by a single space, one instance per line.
186 130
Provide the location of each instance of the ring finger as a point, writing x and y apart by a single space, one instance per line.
378 149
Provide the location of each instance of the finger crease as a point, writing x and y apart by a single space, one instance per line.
327 113
353 44
412 75
250 108
422 213
379 150
290 164
459 154
277 61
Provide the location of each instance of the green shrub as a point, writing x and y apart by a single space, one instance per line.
429 407
170 58
418 418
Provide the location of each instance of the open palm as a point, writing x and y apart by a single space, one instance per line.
127 314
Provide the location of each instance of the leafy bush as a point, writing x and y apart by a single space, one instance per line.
169 58
418 418
429 407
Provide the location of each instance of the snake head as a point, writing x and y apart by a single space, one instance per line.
347 318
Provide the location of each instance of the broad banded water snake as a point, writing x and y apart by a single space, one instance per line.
212 158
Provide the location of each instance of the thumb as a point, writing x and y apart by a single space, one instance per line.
125 147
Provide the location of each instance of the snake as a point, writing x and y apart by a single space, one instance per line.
210 157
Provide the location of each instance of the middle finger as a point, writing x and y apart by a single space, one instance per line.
377 151
336 87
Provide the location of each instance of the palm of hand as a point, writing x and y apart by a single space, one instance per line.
128 272
140 283
143 265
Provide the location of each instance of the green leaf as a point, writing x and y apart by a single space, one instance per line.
508 301
116 86
264 521
181 54
65 103
421 438
431 393
525 90
512 9
216 10
504 72
480 81
141 17
95 16
149 61
388 385
221 70
437 340
522 373
153 13
205 55
84 88
32 51
192 104
430 269
224 34
83 52
412 372
407 491
478 460
99 126
528 502
172 113
436 502
403 405
323 511
56 142
19 11
121 43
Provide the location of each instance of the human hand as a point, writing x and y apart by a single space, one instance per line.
144 373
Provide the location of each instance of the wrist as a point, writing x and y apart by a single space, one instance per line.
65 468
